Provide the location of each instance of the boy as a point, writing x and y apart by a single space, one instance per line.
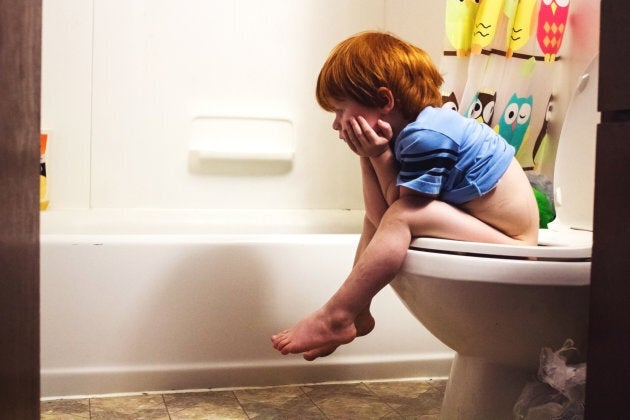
426 171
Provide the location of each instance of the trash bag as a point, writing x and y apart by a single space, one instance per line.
559 391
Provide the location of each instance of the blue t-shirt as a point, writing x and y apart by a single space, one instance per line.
445 154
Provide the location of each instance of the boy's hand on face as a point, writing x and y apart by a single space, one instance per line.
364 140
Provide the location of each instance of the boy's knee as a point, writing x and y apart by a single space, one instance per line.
409 203
397 212
407 209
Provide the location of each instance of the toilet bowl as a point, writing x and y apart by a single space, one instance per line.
497 306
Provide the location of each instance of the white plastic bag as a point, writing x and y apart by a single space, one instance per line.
559 393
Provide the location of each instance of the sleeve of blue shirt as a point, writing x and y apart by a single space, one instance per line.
426 157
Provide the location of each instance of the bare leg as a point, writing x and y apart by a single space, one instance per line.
333 324
375 208
364 322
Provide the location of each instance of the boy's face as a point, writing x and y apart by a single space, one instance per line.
347 110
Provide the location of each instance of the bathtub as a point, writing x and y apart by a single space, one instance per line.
135 300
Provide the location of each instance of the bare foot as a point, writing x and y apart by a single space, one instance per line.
364 324
317 331
319 352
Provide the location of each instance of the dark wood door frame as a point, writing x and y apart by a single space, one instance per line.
608 375
20 69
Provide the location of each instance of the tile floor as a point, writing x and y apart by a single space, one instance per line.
419 399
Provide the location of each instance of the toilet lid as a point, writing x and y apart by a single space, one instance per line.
561 245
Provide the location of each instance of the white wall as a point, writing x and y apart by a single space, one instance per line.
580 46
66 99
123 82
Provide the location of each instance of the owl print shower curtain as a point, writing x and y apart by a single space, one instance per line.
498 66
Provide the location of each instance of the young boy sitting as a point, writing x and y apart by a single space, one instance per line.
426 171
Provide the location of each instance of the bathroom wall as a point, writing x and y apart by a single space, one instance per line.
580 45
131 89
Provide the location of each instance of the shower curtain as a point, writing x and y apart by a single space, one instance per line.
498 67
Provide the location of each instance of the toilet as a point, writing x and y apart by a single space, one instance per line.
497 306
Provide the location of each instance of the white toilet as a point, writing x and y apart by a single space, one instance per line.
497 306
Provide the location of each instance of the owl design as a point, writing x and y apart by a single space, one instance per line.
450 102
552 23
515 120
543 130
460 18
482 107
485 26
521 26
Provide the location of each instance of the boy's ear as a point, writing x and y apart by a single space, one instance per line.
386 98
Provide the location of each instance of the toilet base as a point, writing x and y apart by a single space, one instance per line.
479 389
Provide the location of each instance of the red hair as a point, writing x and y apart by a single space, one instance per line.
360 65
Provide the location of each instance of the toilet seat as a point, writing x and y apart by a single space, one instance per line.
562 245
562 258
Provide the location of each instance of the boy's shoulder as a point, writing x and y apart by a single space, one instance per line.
434 128
436 116
441 120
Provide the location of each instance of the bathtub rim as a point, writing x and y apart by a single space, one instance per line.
199 222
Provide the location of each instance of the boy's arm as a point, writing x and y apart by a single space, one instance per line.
365 142
386 168
375 203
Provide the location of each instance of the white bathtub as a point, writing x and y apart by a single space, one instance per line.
151 301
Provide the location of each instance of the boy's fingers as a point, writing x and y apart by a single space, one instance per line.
369 135
356 127
358 136
350 141
386 128
350 136
365 127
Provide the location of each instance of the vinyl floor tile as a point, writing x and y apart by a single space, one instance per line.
147 407
204 405
348 401
65 409
278 403
410 398
371 400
